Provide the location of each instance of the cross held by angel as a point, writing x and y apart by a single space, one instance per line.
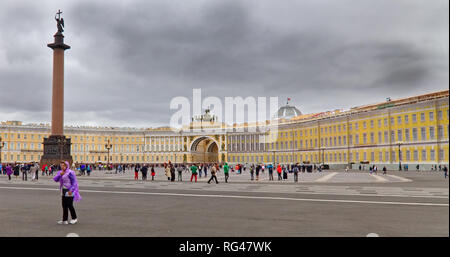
59 21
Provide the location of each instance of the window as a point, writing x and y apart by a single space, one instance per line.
386 137
357 139
408 155
407 135
422 117
372 138
380 137
356 126
431 116
416 155
414 118
406 119
440 116
371 124
414 131
385 122
399 120
399 135
365 138
364 125
440 131
392 121
379 123
431 133
423 134
424 155
432 155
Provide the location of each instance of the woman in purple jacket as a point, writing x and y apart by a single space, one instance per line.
68 185
9 171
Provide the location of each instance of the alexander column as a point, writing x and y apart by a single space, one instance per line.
57 146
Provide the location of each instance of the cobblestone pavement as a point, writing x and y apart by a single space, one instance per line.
309 183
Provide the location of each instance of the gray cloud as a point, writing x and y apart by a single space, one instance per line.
129 59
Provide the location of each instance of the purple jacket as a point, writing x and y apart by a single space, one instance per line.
9 170
70 178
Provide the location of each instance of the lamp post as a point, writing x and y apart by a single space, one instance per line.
323 156
399 156
2 144
108 147
273 151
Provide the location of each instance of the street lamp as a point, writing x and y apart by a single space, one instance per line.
273 151
2 144
108 147
399 155
323 156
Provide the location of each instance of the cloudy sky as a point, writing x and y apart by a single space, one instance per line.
130 58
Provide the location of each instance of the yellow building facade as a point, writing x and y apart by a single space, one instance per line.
409 131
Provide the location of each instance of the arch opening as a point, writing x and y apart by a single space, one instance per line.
204 150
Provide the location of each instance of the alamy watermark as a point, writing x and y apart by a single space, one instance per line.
236 114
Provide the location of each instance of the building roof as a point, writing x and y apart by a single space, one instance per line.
287 112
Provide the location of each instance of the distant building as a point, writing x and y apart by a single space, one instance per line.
365 134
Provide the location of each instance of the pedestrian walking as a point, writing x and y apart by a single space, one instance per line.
384 170
295 170
172 173
68 186
144 170
88 170
9 171
180 172
214 170
285 174
34 171
205 170
23 169
194 172
445 171
257 171
226 170
167 170
153 173
252 171
279 169
270 167
136 172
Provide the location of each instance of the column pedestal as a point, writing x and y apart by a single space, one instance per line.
56 149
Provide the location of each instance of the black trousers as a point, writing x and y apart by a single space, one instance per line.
213 177
295 176
67 205
226 177
24 175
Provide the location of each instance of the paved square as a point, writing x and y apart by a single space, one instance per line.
343 204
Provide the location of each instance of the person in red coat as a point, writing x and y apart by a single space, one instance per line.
279 172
